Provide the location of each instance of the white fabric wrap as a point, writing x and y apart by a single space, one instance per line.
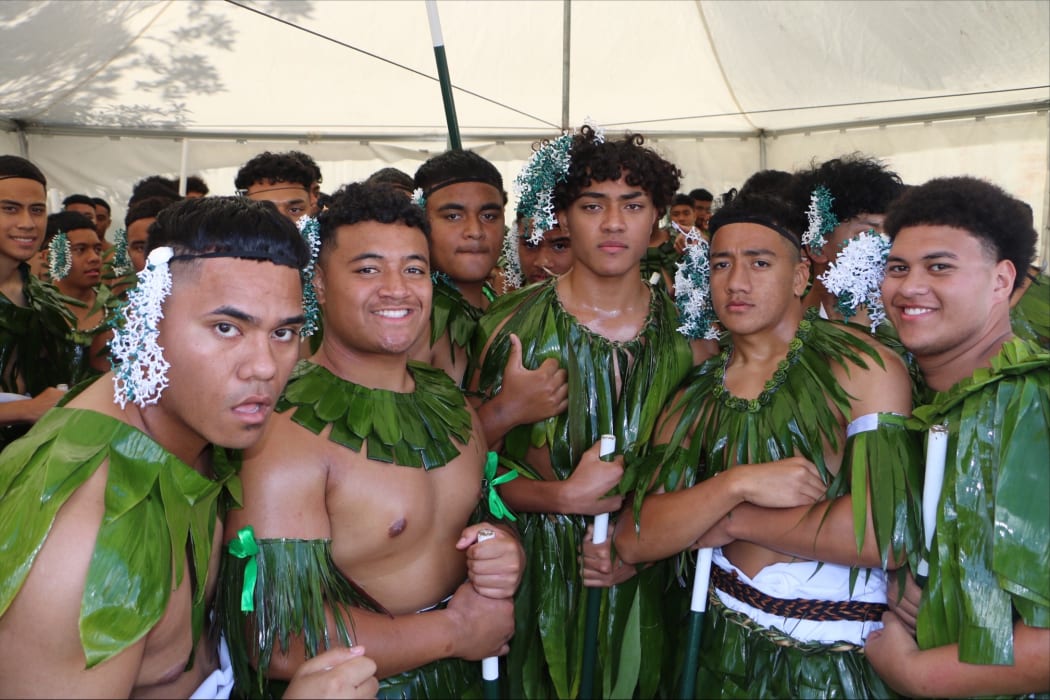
219 684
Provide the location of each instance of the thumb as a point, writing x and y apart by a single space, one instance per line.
514 358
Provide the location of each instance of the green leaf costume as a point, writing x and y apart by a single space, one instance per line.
452 312
792 416
1030 317
546 652
34 344
991 547
159 513
297 580
662 258
104 299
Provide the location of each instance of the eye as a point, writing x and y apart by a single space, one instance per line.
416 270
896 269
286 334
940 267
562 246
225 329
634 206
761 263
721 265
367 270
453 216
591 206
38 211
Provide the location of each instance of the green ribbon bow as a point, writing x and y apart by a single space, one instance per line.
497 507
245 547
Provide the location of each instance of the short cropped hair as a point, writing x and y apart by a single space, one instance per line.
452 167
1001 222
682 200
392 176
701 194
363 201
776 183
275 167
147 208
236 226
194 183
154 186
65 221
611 159
18 167
765 210
858 185
99 202
78 199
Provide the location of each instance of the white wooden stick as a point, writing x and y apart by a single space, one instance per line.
701 579
601 521
936 454
490 664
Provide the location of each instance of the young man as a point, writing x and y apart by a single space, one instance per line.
683 212
35 352
983 619
370 472
792 410
137 221
703 202
615 337
102 217
845 197
281 178
81 204
73 244
110 555
550 257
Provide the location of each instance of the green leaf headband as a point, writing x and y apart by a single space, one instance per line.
855 276
822 219
59 256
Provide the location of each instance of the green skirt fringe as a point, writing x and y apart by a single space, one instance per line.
447 678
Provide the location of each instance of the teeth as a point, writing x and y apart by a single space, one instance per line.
392 313
915 311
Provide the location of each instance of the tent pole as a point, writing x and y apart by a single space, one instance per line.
762 158
446 83
566 54
23 140
182 166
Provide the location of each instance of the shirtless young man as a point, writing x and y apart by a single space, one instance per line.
110 553
794 406
373 467
615 336
981 624
35 352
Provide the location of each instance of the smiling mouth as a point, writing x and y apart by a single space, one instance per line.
915 311
392 313
473 251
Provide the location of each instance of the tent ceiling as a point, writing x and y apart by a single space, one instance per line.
675 67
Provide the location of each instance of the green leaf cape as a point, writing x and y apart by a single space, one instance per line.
546 652
991 548
450 311
159 513
1030 317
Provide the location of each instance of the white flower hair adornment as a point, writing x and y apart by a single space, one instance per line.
59 256
311 233
855 277
692 283
822 219
140 372
418 198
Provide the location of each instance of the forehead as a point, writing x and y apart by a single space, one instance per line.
77 206
737 237
680 207
139 228
256 287
22 190
277 191
475 194
613 189
83 235
926 240
386 240
99 209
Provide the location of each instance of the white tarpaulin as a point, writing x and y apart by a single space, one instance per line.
101 93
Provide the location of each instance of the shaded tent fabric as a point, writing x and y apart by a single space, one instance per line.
935 87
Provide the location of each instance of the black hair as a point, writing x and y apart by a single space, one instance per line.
147 208
18 167
363 201
594 161
682 200
237 226
194 183
99 202
78 199
772 212
858 185
701 194
310 163
392 176
1002 223
66 221
275 167
154 186
776 183
457 166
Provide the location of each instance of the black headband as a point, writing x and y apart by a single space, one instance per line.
236 253
718 222
457 180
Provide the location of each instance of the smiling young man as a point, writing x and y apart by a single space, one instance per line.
615 337
113 503
373 467
35 352
982 621
793 410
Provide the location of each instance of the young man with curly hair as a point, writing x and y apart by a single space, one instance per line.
981 624
615 336
282 178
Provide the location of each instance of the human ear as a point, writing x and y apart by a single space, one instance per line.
318 283
1004 276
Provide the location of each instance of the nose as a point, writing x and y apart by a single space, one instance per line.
613 219
737 278
261 363
393 284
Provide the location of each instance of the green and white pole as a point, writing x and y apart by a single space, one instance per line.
594 595
454 141
490 664
697 608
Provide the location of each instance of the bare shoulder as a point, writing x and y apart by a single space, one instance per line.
284 477
40 649
879 386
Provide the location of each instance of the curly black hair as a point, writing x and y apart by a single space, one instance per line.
457 166
1001 222
363 201
147 208
78 199
195 183
275 167
858 184
762 209
154 186
776 183
609 160
238 226
393 177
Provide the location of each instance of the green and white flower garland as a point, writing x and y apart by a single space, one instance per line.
855 276
822 219
311 233
59 256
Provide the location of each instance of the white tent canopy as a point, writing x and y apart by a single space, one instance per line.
100 94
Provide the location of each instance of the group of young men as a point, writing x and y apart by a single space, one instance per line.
226 508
